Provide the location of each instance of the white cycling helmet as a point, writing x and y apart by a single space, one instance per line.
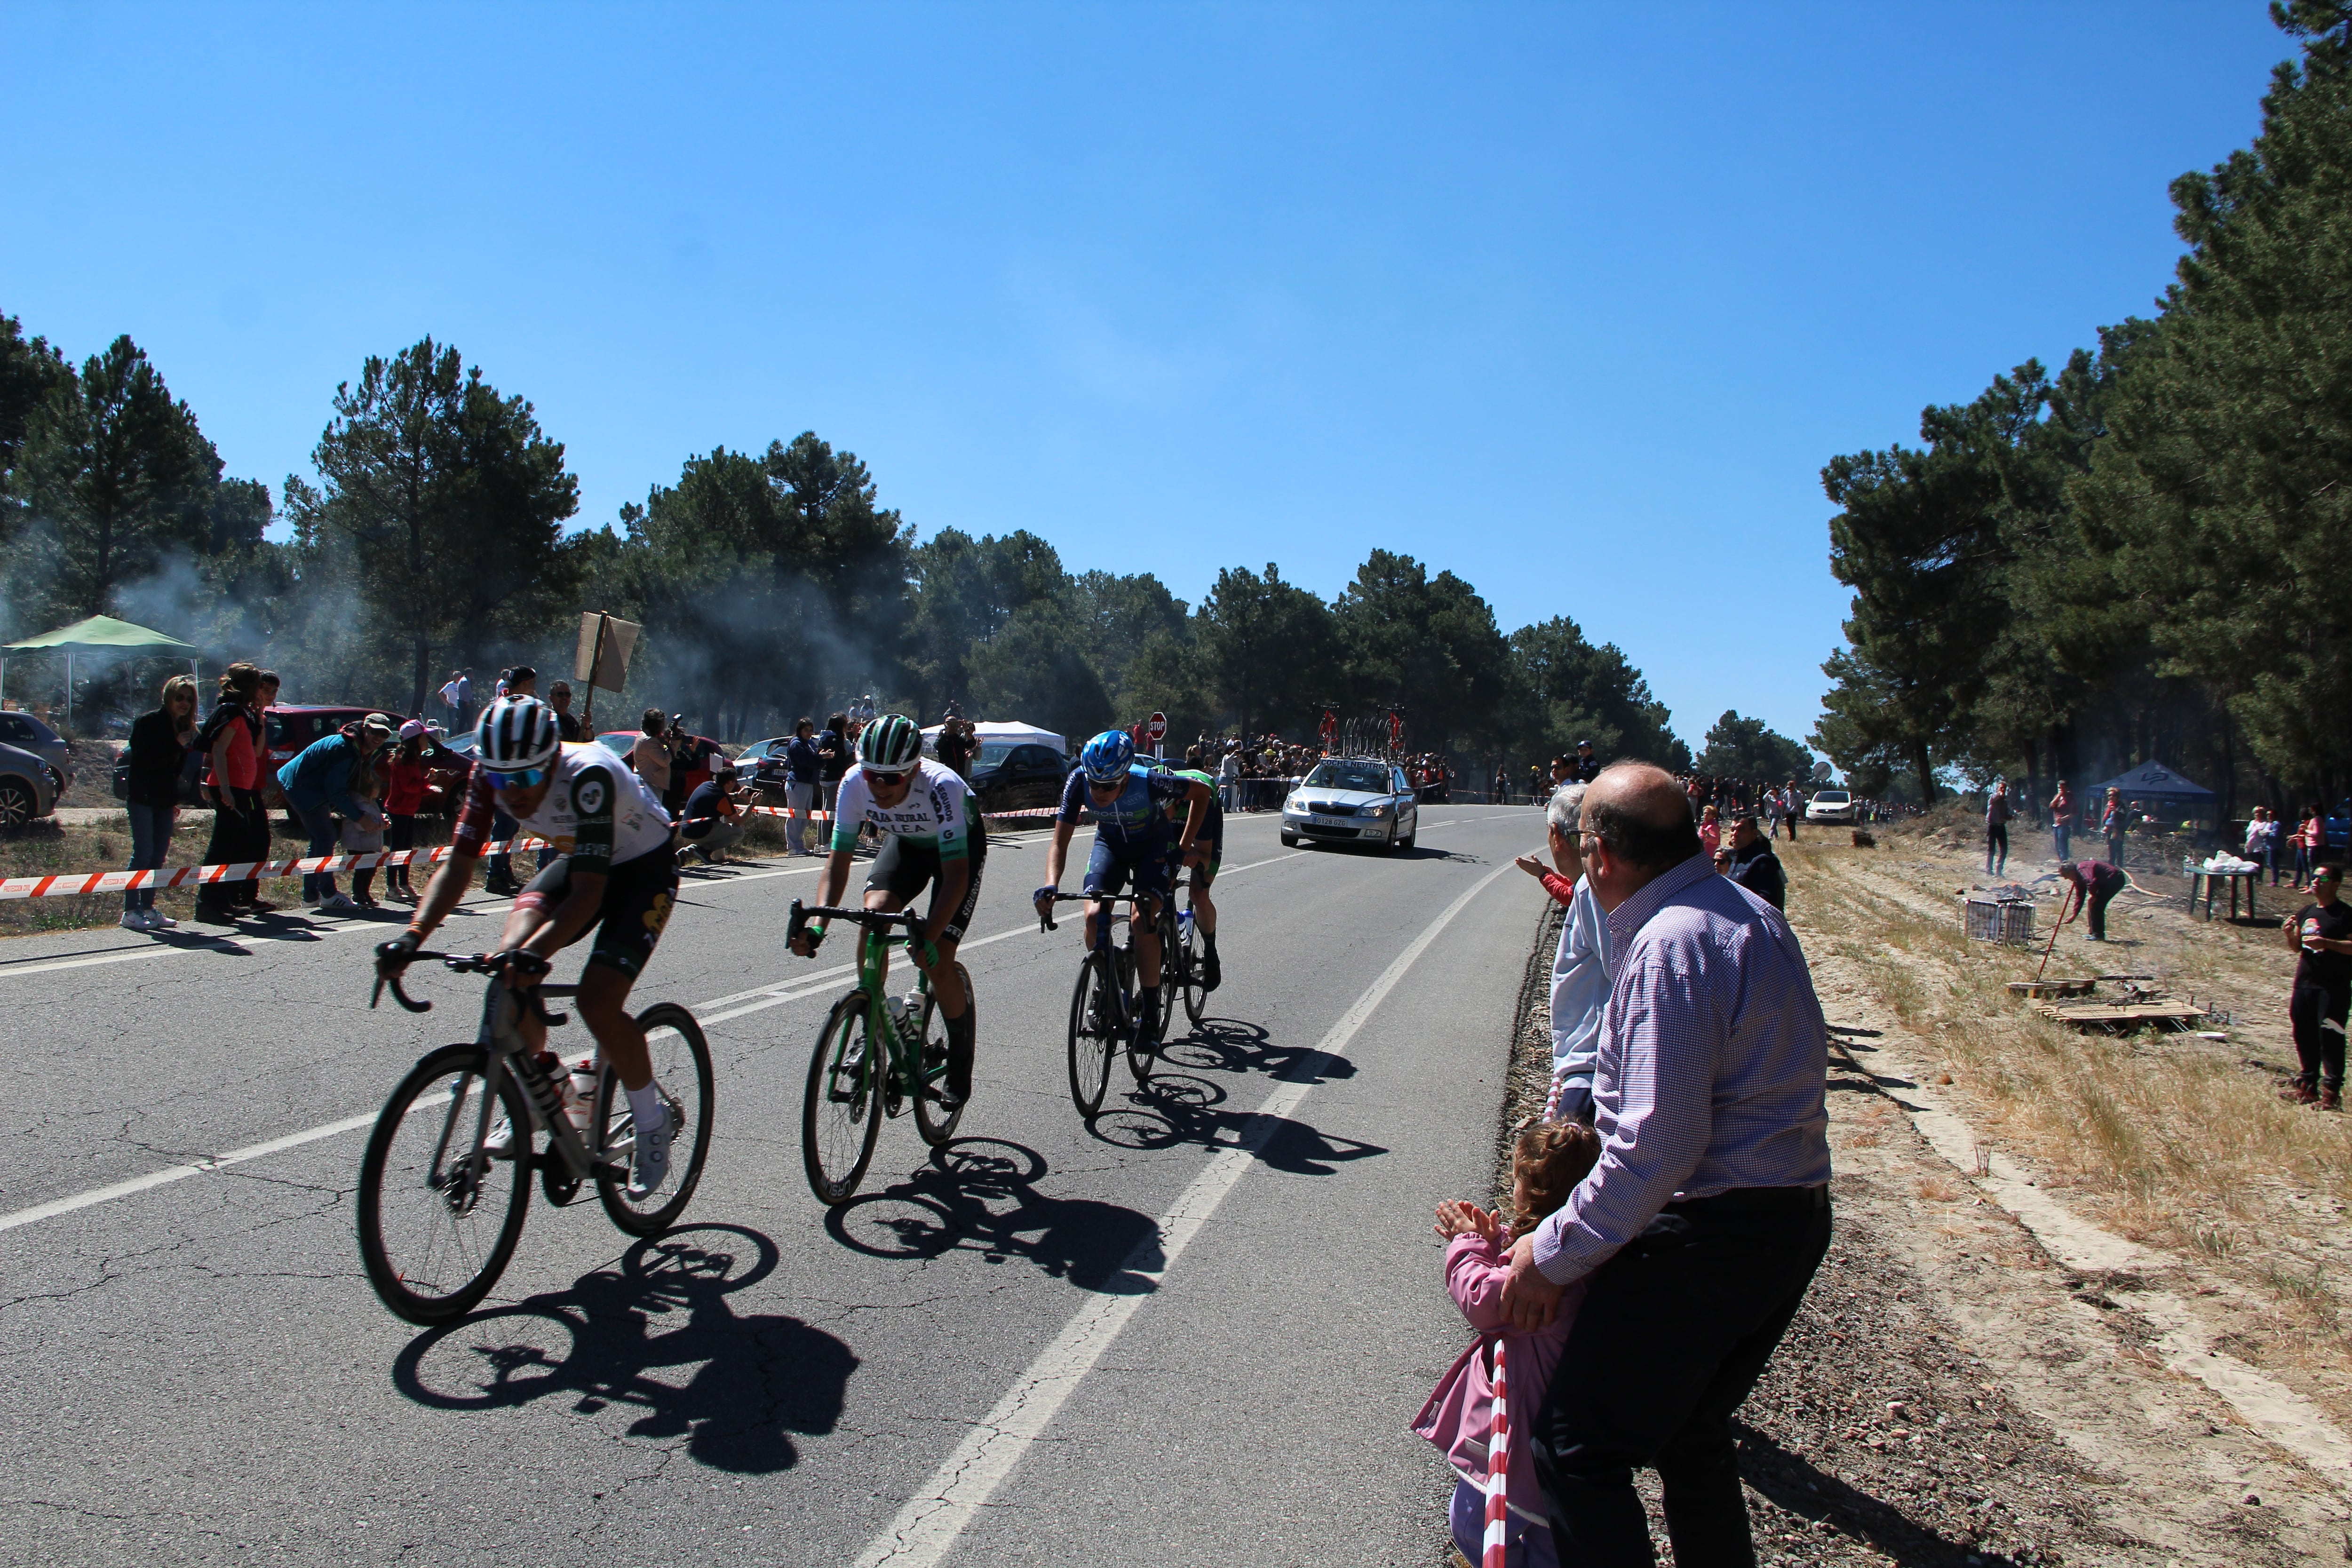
516 733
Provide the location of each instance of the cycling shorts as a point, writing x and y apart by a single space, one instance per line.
638 897
1114 864
904 870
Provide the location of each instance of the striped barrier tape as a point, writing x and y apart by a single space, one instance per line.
1498 1477
71 883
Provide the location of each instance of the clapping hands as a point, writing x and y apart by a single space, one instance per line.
1455 1218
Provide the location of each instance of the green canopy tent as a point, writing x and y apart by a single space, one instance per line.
99 635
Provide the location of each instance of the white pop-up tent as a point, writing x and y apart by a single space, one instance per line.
1007 735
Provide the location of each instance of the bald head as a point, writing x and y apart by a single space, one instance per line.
1642 818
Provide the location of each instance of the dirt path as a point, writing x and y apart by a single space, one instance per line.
1974 1379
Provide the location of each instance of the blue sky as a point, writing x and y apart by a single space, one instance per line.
1573 299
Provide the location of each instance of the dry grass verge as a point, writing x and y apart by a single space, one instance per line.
2170 1140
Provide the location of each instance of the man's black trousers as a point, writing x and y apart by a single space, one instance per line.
2311 1008
1674 1332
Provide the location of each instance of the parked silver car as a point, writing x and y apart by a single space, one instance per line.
1359 801
27 734
27 789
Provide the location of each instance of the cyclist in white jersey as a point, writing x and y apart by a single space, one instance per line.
614 870
934 837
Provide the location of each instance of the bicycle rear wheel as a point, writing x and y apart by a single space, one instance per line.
438 1221
935 1123
842 1113
681 1058
1094 1034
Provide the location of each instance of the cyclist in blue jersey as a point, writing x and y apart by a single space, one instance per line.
1132 835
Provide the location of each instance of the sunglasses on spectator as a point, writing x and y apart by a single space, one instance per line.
518 778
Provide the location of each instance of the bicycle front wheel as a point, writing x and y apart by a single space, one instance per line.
1093 1033
681 1059
842 1114
932 1120
438 1215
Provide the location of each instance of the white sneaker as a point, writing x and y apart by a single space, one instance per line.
338 904
135 919
158 920
650 1166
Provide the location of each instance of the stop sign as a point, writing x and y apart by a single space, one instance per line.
1156 726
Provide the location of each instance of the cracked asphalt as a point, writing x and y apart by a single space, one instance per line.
198 1373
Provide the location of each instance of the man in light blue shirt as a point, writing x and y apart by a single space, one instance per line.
1580 967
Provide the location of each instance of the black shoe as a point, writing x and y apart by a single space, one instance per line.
215 917
503 887
1212 974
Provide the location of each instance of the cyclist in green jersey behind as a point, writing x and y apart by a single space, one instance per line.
1208 854
933 836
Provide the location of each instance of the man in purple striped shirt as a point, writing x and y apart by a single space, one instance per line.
1703 1222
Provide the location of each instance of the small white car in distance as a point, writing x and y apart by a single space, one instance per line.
1357 801
1830 805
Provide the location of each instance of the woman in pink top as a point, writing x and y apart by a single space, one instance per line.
1550 1159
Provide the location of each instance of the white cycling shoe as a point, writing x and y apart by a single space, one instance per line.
649 1166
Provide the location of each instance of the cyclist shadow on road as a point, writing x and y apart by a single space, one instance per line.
743 1384
980 1195
1231 1044
1179 1107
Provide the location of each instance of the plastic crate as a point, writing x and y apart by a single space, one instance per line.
1993 920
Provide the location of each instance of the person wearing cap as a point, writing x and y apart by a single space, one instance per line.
1586 767
713 821
318 785
403 797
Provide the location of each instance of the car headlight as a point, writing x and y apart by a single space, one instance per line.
1385 808
1295 806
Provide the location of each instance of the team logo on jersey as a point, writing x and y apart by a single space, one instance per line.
588 795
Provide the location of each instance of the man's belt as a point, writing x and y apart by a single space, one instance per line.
1755 1200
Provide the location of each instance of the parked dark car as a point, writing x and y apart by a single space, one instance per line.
27 734
1009 777
761 766
26 790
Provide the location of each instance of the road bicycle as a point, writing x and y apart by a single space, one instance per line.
873 1060
446 1180
1104 1016
1181 960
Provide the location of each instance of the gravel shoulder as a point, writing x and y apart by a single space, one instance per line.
1954 1392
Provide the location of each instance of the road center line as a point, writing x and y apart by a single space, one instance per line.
928 1526
759 1001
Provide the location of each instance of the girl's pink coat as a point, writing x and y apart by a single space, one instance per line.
1460 1414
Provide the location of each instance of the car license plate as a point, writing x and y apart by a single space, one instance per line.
1321 821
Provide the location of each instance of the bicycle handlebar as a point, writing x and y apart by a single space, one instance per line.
467 963
1045 920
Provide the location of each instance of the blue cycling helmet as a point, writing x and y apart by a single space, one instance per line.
1105 756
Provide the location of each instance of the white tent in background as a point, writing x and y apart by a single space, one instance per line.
1005 735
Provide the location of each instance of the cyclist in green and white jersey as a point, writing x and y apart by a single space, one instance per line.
1208 852
933 836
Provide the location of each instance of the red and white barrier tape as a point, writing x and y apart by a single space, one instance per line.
1498 1467
69 883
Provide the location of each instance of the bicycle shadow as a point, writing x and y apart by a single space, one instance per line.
1177 1108
1232 1045
757 1378
980 1195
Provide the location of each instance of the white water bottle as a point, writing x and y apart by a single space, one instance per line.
904 1013
583 1092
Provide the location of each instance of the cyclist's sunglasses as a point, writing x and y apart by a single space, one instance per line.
518 778
885 781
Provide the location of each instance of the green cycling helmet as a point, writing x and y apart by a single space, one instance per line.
891 744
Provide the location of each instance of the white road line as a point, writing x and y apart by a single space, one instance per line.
928 1526
758 1001
180 1172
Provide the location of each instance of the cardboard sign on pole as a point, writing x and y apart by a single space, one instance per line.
602 656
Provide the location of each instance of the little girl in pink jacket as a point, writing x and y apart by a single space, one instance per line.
1547 1162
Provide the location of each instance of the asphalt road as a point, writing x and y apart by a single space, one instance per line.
1194 1334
